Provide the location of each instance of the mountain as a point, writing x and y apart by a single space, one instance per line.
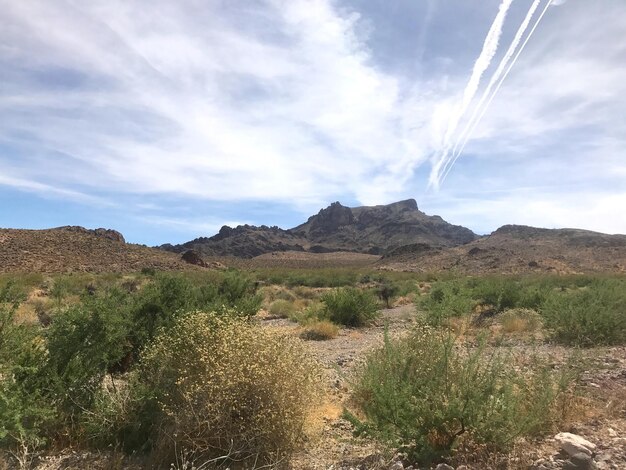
367 229
76 249
518 249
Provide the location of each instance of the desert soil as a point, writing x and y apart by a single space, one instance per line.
601 418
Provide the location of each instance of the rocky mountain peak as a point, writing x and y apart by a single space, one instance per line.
99 232
331 218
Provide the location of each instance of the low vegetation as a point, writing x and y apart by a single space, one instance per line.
350 306
423 395
252 410
320 330
576 311
177 367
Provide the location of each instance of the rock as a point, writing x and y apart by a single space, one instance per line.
99 232
444 466
110 234
573 444
580 461
396 466
192 257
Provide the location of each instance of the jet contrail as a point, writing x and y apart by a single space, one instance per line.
490 46
493 94
494 78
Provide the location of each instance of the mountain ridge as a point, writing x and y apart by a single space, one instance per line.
364 229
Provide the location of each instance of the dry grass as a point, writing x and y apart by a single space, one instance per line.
520 320
238 389
320 331
281 308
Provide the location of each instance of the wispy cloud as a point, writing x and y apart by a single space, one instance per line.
262 103
286 102
490 47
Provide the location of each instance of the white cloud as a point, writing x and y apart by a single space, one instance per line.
192 103
282 101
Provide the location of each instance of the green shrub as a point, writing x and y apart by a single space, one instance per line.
27 415
589 316
315 311
350 306
228 390
422 394
84 342
148 271
445 300
282 308
498 292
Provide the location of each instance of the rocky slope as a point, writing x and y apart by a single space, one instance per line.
517 249
76 249
367 229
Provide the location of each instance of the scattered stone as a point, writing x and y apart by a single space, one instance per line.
396 466
580 461
573 444
444 466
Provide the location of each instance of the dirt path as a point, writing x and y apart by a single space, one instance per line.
334 445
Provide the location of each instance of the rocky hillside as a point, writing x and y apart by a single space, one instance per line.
76 249
367 229
517 249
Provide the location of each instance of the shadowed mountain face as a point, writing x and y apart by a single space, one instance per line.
519 249
367 229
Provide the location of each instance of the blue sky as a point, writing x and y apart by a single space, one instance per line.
166 120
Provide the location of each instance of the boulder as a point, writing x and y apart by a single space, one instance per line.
573 444
192 257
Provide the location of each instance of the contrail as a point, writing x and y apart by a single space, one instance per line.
490 46
493 94
494 78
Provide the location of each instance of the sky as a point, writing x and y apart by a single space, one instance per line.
166 120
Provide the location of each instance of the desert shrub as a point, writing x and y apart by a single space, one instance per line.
235 285
422 394
282 308
148 271
84 342
593 315
284 294
310 314
350 306
498 292
304 292
519 320
26 414
445 300
238 292
159 303
386 292
228 389
405 287
123 415
320 330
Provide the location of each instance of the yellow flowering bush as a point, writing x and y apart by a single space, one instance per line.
230 391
